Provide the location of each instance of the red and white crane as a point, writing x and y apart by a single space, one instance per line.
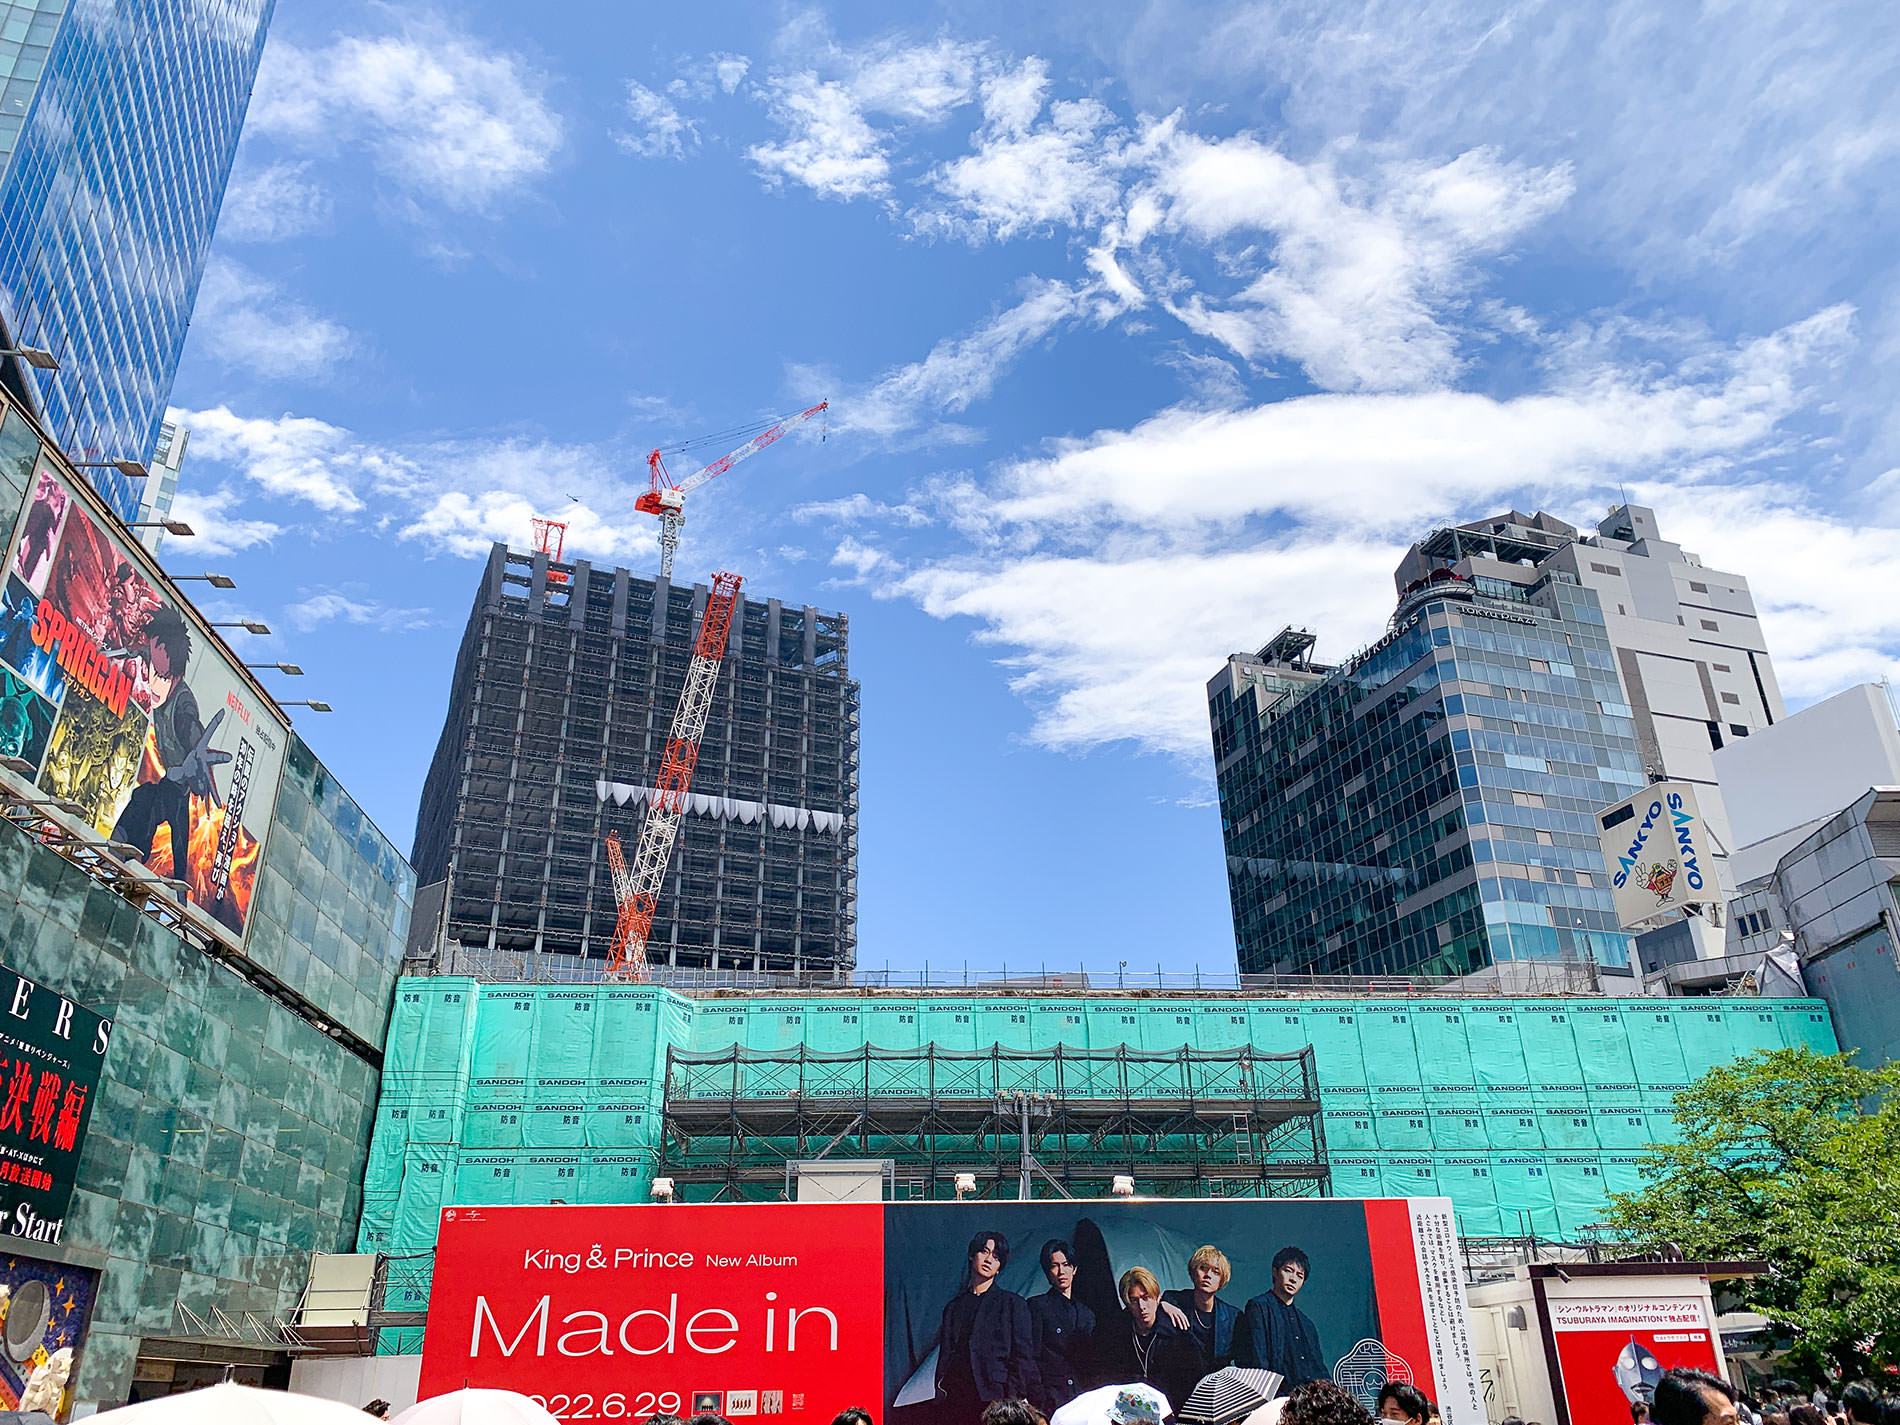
637 887
666 497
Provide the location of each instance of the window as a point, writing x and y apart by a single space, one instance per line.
1720 667
1699 588
1730 698
1620 609
1709 624
1738 729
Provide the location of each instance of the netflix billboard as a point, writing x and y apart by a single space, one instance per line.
923 1312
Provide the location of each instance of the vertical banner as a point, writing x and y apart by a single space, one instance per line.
921 1312
122 701
1612 1353
51 1052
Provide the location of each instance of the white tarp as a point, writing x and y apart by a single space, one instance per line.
728 808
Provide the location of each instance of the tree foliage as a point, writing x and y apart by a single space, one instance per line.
1793 1158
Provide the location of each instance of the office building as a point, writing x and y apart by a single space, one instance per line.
563 694
1689 647
246 965
1427 807
161 485
118 127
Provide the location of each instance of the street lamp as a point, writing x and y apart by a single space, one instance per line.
216 581
310 703
290 668
33 356
249 625
133 468
177 527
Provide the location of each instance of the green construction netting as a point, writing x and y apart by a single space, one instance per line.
1526 1113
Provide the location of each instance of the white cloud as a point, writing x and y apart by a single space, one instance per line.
440 115
215 527
729 70
825 100
332 607
1024 177
960 370
249 323
860 508
1363 280
293 457
1120 570
662 131
272 203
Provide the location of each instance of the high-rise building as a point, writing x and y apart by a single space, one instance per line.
118 126
1428 806
1689 647
563 694
161 485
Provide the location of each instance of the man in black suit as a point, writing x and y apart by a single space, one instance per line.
1145 1346
985 1350
1281 1336
1202 1313
1063 1328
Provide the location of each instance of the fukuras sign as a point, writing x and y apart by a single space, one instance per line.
1654 848
51 1051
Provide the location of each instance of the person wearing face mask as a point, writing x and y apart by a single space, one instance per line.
1280 1335
1063 1328
1404 1403
985 1341
1145 1346
1202 1313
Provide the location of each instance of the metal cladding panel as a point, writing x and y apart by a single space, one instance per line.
1386 1046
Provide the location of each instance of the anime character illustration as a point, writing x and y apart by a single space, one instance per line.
182 743
26 719
38 666
92 756
41 533
106 597
1661 880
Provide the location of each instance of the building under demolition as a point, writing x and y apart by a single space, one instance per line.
563 694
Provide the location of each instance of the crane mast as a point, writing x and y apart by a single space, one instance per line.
637 887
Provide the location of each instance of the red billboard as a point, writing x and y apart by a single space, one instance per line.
1613 1351
922 1312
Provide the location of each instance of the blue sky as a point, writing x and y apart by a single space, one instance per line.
1148 330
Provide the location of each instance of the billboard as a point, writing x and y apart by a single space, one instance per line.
121 700
51 1051
1654 849
791 1312
1613 1352
45 1308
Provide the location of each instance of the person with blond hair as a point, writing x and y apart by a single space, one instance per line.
1201 1313
1144 1346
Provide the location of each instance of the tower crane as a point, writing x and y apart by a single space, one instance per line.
666 497
637 887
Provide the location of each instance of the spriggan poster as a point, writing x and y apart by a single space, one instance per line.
123 702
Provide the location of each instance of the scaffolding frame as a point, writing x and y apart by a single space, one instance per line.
1188 1122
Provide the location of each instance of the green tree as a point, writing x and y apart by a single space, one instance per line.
1793 1158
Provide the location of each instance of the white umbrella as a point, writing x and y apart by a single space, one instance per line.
476 1407
233 1404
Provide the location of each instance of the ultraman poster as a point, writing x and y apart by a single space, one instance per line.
122 701
923 1312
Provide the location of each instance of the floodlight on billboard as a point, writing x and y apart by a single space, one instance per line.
1654 849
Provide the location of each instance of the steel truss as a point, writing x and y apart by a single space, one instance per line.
1188 1123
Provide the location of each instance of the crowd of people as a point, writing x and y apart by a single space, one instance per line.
996 1345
